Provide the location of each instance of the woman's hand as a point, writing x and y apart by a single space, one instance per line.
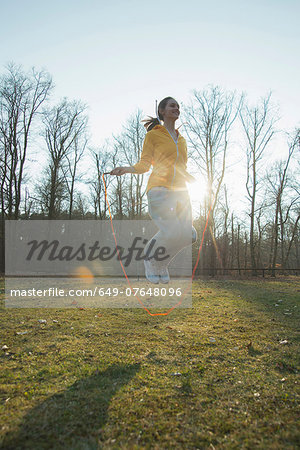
122 170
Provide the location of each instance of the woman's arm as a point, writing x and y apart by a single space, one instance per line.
144 163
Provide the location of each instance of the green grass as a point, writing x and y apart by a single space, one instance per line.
108 381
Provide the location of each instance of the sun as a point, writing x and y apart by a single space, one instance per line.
197 191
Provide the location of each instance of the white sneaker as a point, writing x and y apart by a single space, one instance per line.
164 276
151 272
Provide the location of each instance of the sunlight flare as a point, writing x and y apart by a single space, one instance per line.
197 191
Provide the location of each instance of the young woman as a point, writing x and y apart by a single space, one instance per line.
168 201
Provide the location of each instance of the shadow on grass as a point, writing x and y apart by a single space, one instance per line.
72 419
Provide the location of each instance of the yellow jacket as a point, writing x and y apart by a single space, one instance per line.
168 158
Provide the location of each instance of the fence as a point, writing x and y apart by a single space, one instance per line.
228 271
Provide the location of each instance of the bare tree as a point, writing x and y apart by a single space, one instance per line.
129 144
279 182
65 125
224 239
21 97
258 124
238 248
70 169
102 163
119 188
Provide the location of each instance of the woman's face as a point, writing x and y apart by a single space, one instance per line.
171 110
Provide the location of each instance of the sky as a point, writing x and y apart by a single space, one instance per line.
119 56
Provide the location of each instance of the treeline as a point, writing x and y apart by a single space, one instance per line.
50 171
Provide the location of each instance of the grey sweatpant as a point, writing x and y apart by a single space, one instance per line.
172 213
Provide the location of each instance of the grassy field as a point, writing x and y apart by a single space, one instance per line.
221 375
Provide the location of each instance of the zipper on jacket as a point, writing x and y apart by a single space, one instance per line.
176 143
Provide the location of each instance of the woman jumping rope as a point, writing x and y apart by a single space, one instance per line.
168 200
